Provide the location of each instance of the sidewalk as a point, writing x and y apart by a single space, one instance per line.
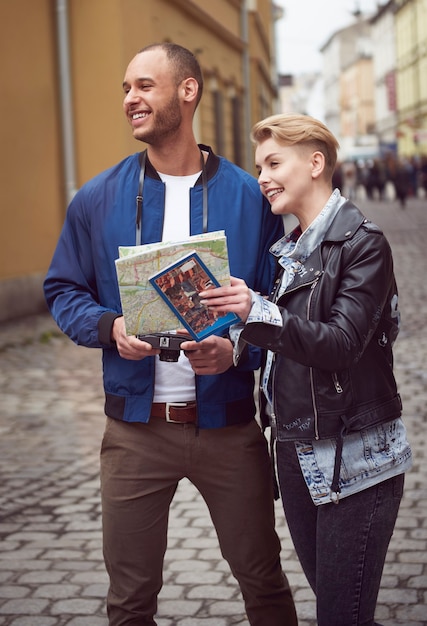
51 424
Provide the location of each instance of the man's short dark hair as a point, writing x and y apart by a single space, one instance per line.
185 65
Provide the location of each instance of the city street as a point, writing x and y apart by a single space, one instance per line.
51 425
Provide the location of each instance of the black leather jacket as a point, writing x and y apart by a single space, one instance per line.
333 370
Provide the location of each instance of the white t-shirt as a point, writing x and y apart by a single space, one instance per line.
174 382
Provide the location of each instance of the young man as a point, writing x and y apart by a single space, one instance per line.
213 439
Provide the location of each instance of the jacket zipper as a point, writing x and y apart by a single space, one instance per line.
313 400
273 415
337 383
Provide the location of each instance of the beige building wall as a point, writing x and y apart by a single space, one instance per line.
235 50
30 156
411 62
357 104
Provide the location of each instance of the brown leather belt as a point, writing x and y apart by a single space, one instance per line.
178 412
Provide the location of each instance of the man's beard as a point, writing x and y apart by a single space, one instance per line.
165 122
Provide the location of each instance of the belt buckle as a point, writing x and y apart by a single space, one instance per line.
172 405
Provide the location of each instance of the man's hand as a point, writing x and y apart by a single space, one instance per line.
130 347
213 355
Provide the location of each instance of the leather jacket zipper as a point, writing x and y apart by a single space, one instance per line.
313 400
337 383
316 419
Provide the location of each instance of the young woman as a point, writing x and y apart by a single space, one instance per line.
328 328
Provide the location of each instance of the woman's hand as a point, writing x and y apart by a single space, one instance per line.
235 298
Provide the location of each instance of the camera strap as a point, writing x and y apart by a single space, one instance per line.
140 197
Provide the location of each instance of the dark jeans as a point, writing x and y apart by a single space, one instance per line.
141 465
342 547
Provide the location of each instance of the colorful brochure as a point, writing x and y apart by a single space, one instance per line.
179 284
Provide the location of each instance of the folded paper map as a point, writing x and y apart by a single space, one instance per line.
144 310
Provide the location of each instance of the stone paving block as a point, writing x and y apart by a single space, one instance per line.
226 607
5 576
222 566
88 525
407 544
88 621
390 582
13 591
206 621
403 569
201 542
71 566
223 592
306 610
171 592
98 590
22 566
86 536
398 596
9 528
190 565
90 576
34 621
419 582
213 554
413 557
23 606
175 608
45 537
9 546
41 577
176 522
180 554
191 578
416 613
54 592
81 606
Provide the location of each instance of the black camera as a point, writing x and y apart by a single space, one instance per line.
168 343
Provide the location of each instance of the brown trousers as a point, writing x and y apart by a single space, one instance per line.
141 465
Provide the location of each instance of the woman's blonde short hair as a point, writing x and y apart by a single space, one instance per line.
299 130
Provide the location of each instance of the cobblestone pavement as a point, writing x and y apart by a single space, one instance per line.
51 424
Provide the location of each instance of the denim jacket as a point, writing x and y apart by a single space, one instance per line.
368 457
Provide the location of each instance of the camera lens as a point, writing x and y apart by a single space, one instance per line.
170 356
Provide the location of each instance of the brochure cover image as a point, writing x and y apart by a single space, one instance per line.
179 284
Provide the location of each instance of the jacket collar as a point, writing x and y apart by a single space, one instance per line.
344 225
211 165
347 221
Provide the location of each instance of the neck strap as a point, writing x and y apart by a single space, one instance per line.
140 197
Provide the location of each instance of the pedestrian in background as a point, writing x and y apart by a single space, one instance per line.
350 179
402 181
329 328
166 421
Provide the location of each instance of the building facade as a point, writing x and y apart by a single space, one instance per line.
349 97
375 88
384 75
62 119
411 73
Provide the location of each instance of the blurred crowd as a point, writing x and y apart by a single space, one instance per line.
386 178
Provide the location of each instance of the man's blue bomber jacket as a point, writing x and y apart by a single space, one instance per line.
81 287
